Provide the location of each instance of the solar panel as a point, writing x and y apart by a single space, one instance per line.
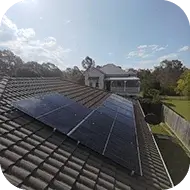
109 129
94 131
39 105
126 112
66 118
54 110
110 105
107 111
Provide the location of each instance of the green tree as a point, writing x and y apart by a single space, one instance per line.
183 84
168 73
148 81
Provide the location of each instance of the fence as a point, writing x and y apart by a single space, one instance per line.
179 125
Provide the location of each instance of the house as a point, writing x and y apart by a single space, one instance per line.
114 79
35 156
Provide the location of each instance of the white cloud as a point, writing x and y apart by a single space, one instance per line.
144 51
169 56
142 46
153 47
185 48
110 53
23 42
41 18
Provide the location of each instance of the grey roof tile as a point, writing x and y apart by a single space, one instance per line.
60 185
27 165
45 176
36 183
5 162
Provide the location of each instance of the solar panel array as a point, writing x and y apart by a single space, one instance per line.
109 130
54 110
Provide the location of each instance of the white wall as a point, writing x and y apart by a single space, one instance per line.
94 73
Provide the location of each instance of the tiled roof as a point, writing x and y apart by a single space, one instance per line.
111 69
33 156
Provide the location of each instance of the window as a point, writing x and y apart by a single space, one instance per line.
90 84
97 85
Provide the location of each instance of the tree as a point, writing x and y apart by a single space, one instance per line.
9 62
183 84
168 73
87 63
148 81
74 74
50 70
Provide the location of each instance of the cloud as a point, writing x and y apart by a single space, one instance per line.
41 18
110 53
23 42
142 46
145 51
185 48
169 56
153 47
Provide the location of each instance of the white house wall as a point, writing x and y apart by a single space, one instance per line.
94 73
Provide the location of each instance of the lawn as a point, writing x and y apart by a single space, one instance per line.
173 152
180 105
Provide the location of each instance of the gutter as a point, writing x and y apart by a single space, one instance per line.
157 147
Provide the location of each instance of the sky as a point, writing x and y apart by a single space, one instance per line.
129 33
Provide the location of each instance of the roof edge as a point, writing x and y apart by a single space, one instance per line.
170 179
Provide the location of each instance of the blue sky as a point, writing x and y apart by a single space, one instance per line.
129 33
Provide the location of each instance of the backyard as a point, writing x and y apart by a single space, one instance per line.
179 104
175 155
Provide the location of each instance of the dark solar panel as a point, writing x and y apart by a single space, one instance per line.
54 110
122 146
94 131
107 111
39 105
110 129
66 118
110 105
126 112
124 119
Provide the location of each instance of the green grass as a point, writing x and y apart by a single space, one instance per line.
180 105
160 129
173 152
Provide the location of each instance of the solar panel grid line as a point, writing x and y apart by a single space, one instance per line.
56 109
79 124
66 118
109 135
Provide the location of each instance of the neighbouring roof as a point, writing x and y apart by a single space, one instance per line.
122 78
111 69
34 156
